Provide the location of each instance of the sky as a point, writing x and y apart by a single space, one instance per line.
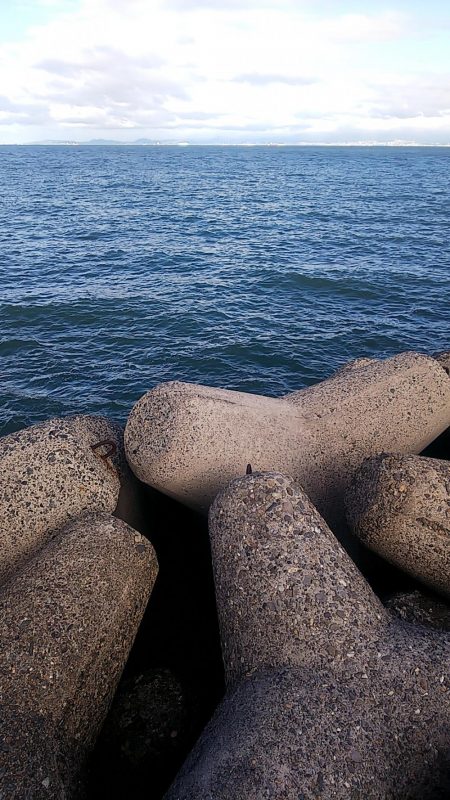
218 71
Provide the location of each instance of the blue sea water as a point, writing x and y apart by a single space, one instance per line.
254 268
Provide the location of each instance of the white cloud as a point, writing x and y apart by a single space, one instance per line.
418 96
359 28
219 70
263 79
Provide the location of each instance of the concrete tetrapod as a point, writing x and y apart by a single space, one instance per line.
420 609
399 506
444 359
188 441
67 623
329 695
50 473
105 438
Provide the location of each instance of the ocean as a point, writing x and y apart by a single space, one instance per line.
261 269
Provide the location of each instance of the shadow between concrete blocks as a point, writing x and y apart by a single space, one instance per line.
174 676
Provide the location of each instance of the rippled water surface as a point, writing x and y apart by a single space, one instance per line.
261 269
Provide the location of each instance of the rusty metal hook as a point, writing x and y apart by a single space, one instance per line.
111 451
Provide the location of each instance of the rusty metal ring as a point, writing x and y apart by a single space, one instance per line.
111 451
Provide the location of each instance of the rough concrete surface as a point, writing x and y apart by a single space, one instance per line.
189 441
92 431
280 577
67 623
444 360
329 696
421 609
348 367
48 475
139 752
399 506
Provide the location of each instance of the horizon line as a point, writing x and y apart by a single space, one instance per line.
156 143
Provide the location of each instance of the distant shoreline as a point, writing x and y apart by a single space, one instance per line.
106 143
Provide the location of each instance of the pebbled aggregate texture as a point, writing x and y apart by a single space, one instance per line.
91 430
189 441
67 623
48 475
421 609
444 359
399 506
280 576
329 696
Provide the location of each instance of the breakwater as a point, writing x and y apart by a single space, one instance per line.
321 585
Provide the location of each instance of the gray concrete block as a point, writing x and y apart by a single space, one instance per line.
420 609
350 366
67 622
49 474
189 441
29 768
281 576
106 436
329 696
444 360
285 735
399 506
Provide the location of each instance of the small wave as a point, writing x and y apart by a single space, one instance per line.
261 269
